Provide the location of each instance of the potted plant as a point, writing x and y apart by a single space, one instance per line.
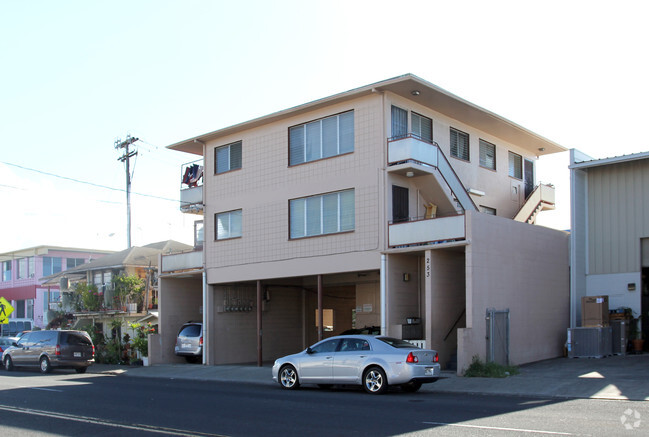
636 336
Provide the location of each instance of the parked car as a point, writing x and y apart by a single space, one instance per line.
5 342
51 349
368 330
189 342
375 362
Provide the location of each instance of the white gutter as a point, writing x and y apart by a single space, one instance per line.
383 295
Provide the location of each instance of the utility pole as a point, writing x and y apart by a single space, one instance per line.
119 144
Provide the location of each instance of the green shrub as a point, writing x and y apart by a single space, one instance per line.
478 369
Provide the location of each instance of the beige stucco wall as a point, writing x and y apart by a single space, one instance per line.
502 192
521 267
264 185
180 300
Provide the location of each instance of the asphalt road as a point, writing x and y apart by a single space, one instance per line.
65 403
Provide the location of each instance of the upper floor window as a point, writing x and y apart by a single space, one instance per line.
515 165
73 262
26 268
322 138
51 265
228 224
399 122
487 155
227 157
421 126
322 214
6 270
459 144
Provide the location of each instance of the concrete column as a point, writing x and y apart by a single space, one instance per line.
259 330
320 318
428 298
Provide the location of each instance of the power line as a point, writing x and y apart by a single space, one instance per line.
86 182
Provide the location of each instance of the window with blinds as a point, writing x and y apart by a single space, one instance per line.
421 127
322 214
399 123
227 158
322 138
487 155
515 165
459 144
227 224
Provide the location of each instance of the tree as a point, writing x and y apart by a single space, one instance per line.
128 289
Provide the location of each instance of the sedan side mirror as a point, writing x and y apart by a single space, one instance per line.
309 350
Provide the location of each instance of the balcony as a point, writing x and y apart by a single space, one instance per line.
182 262
426 231
191 188
412 156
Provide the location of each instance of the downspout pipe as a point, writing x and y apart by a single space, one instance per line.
383 294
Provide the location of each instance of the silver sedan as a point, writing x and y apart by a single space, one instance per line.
375 362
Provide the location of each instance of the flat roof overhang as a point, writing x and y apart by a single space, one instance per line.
427 94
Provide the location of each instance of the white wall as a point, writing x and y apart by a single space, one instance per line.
615 286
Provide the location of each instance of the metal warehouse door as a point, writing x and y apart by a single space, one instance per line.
498 336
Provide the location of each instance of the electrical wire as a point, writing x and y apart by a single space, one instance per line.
86 182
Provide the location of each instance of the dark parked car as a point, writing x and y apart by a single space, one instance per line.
51 349
189 343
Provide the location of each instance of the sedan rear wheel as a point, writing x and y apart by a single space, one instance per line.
288 378
375 381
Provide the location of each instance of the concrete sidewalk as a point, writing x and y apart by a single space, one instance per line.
617 377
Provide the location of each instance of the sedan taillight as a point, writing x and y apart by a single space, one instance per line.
412 358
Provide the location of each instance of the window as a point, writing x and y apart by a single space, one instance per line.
422 127
73 262
227 157
459 144
327 320
323 214
399 122
51 265
6 270
322 138
487 210
228 224
487 155
326 346
515 166
26 268
354 345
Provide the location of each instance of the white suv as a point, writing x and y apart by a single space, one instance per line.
189 343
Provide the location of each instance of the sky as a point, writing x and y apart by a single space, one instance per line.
76 76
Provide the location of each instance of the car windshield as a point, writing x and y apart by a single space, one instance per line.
398 343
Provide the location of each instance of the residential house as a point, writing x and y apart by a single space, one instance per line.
21 272
135 261
397 204
610 232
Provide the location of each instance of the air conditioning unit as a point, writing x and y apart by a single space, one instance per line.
590 342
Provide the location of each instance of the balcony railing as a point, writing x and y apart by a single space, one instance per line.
176 262
426 231
191 187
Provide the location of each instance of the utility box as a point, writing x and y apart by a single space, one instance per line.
590 342
620 329
594 311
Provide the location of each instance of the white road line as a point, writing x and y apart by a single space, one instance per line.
43 389
497 428
102 422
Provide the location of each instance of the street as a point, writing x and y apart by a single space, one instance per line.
64 403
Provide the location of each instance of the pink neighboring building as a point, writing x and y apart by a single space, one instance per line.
21 275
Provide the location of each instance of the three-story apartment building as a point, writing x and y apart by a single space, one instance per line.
396 205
